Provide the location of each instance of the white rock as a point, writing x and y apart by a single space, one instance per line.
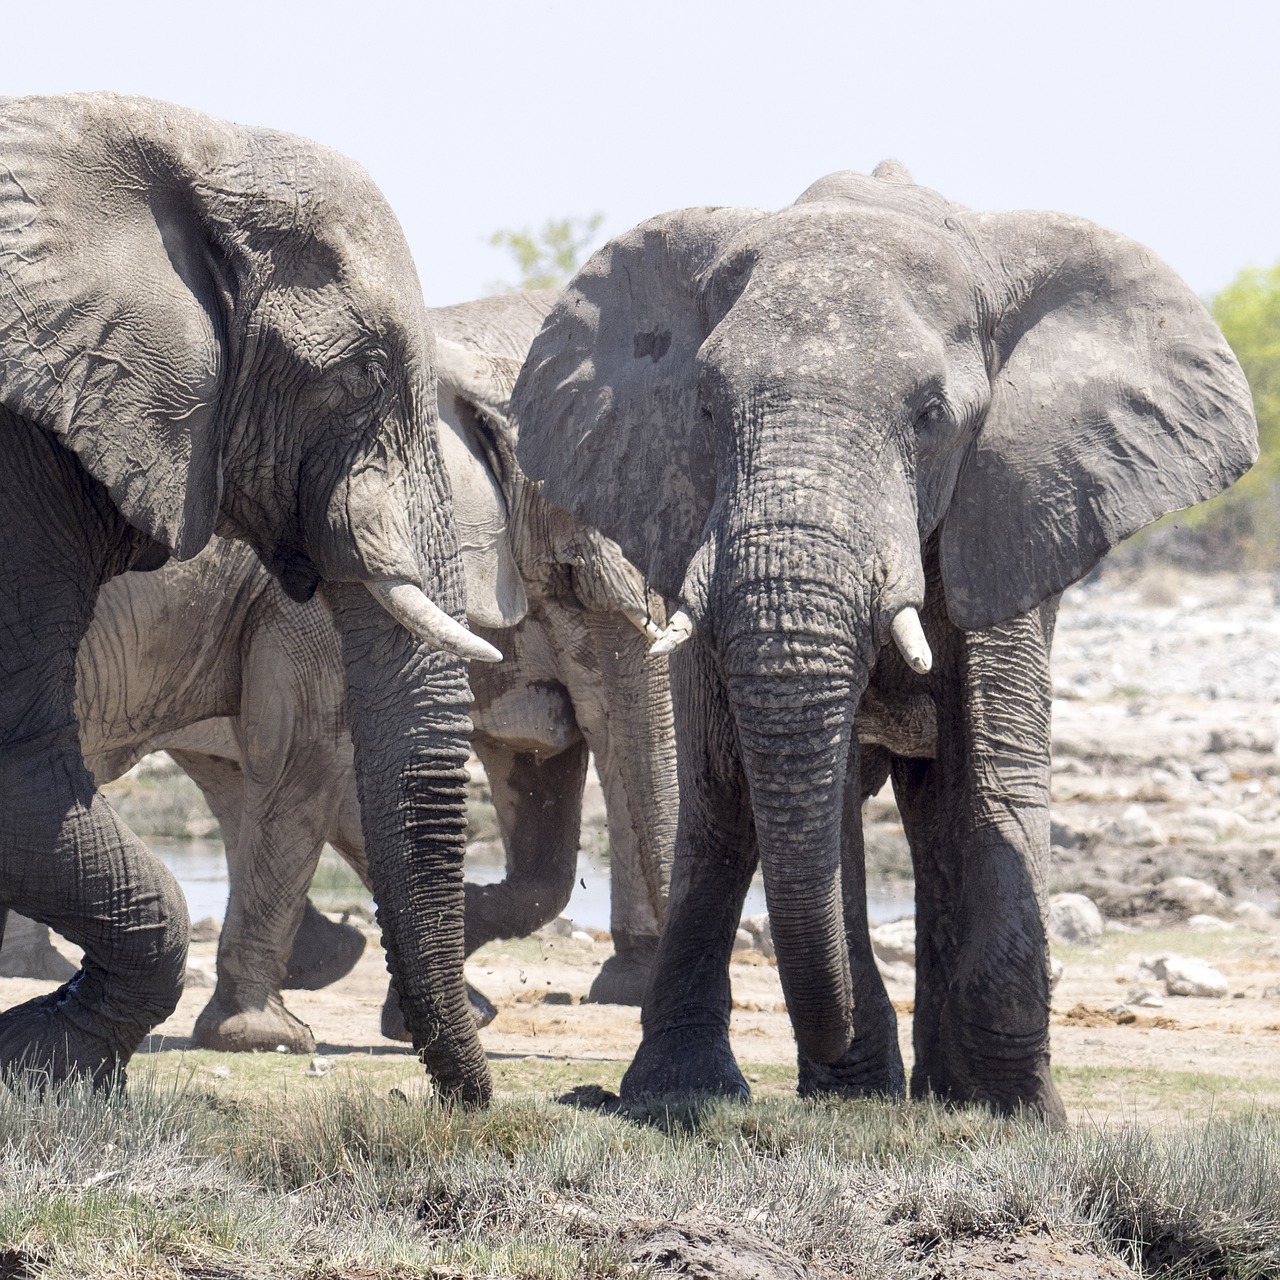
1195 897
895 942
560 927
320 1067
1186 976
580 935
1256 917
1135 826
1055 972
1211 924
1074 919
743 941
199 976
897 972
1211 824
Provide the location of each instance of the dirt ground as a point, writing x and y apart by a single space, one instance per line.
1166 719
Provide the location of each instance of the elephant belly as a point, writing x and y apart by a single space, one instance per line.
905 725
535 717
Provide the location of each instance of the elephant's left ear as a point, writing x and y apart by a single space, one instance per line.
1115 399
111 308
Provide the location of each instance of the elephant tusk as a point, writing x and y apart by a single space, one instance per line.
643 624
908 635
418 614
679 629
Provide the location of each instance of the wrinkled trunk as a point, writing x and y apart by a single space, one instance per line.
794 734
409 727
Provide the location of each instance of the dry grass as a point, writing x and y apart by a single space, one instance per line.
337 1178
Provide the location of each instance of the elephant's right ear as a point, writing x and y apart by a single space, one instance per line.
607 403
111 310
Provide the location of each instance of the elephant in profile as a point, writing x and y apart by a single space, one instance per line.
205 326
862 444
214 662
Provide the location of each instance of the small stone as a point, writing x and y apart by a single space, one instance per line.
1186 976
1211 924
1135 826
282 1048
1143 997
895 942
1191 896
758 927
320 1067
1074 919
580 935
557 997
197 977
1211 824
560 927
743 941
205 930
220 1072
1256 917
1055 972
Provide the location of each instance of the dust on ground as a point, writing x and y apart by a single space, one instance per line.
1166 719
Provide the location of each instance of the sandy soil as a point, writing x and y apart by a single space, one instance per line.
1167 714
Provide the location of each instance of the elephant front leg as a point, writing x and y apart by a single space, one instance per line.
539 805
685 1048
872 1065
977 818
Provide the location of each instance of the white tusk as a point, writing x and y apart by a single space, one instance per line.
679 629
418 614
643 623
908 635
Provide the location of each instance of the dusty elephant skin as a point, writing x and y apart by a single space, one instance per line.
204 325
872 415
211 660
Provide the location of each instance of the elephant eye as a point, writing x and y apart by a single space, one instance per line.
931 417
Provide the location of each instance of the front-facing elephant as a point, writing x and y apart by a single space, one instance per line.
872 415
209 326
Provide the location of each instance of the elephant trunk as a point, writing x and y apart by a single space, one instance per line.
409 726
794 736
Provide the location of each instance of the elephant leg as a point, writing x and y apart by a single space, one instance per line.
625 714
872 1065
27 952
685 1048
539 804
279 805
66 859
977 818
324 951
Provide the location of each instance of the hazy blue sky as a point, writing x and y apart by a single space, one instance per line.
1159 119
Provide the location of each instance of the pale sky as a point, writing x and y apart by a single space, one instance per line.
1161 120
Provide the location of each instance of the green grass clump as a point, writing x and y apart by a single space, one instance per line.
341 1178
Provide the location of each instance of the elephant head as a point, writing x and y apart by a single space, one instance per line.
225 327
774 413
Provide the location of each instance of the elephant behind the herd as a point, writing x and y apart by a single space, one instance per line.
211 660
207 325
810 428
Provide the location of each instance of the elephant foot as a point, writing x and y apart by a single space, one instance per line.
859 1074
262 1024
683 1063
483 1011
323 951
28 953
45 1041
624 976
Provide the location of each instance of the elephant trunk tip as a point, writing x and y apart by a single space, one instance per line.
414 610
909 636
826 1043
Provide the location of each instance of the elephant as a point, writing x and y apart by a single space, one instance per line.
209 327
873 416
211 660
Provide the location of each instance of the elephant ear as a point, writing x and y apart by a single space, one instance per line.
606 406
111 309
473 388
1116 399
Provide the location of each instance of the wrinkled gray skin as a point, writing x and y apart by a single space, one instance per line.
211 660
798 425
208 326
